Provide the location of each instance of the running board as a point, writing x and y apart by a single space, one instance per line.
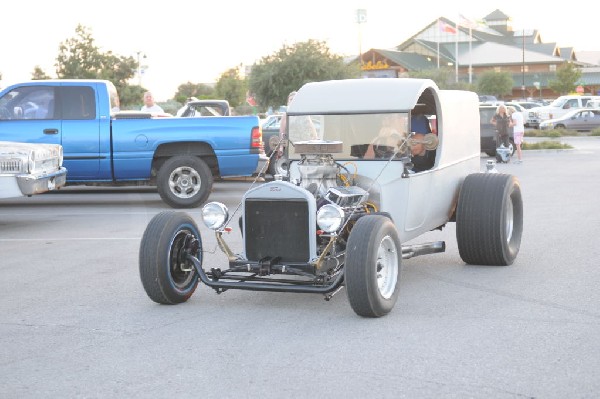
410 251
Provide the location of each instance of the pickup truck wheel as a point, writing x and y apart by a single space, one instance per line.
167 276
372 270
184 181
489 219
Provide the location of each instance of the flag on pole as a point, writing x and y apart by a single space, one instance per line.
444 27
466 22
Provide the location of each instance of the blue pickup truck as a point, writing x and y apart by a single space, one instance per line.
104 146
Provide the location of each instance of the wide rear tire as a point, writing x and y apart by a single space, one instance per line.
372 269
167 276
489 219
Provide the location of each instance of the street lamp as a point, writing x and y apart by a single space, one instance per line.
140 56
523 67
361 18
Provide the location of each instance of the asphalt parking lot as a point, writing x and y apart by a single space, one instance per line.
76 321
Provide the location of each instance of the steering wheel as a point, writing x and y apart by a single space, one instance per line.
381 146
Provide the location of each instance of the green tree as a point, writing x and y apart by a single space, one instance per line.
567 76
232 88
189 89
39 74
80 58
495 83
286 70
131 97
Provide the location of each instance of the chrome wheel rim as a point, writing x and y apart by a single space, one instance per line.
387 267
184 182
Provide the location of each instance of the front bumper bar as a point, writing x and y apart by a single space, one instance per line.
274 286
37 184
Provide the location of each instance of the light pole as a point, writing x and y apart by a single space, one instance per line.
523 67
140 56
361 18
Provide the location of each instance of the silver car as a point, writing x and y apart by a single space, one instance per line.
578 119
353 199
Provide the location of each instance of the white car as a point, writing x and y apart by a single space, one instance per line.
27 169
595 104
353 202
562 105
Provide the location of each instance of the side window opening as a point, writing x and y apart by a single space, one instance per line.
423 121
28 102
78 103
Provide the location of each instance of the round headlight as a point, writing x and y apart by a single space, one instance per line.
330 218
214 215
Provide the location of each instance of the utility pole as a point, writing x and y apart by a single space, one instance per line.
523 67
140 70
361 18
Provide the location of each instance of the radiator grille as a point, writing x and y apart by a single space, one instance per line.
11 166
277 229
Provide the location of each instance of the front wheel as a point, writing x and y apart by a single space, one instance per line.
372 270
489 219
167 275
184 181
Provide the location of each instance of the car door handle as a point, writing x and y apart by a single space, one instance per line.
50 131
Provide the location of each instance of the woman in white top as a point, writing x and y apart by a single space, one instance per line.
518 130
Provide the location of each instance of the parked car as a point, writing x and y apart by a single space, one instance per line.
528 104
488 133
195 107
27 169
270 132
352 205
578 119
593 104
532 118
485 99
563 105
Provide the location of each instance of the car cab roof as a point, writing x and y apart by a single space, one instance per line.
364 95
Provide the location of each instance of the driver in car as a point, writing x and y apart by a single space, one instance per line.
392 132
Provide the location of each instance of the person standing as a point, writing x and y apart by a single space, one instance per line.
518 130
502 122
150 105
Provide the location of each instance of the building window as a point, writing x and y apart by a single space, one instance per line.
497 69
524 68
552 68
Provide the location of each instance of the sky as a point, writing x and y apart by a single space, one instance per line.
196 41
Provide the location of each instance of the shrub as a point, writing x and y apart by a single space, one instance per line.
545 145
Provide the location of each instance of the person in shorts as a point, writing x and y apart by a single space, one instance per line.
518 129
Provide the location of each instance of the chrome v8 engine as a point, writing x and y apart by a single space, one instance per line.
319 173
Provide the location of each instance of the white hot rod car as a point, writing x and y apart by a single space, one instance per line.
27 168
373 164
